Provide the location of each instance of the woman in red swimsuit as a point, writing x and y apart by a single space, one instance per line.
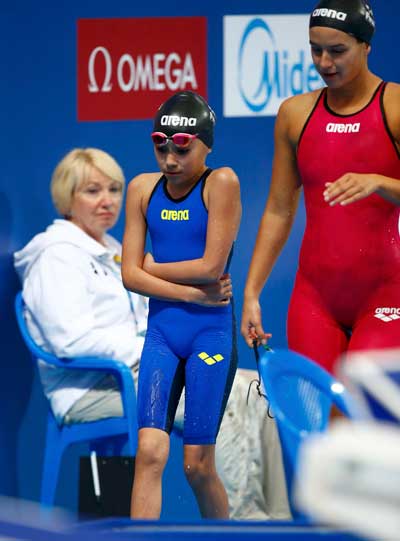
342 146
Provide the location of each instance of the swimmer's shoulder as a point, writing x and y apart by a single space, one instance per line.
142 186
294 112
300 105
391 106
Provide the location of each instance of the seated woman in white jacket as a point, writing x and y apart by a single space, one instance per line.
77 306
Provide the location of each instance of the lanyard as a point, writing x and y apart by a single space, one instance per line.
257 381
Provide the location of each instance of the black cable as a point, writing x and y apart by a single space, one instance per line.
258 380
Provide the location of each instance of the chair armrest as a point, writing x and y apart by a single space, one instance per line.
92 363
120 370
117 368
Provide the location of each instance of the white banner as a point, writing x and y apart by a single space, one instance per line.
266 60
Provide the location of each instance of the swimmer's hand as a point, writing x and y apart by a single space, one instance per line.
214 294
350 187
251 328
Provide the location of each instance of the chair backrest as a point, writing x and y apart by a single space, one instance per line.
36 351
99 364
106 436
301 395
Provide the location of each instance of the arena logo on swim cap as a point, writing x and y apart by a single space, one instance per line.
175 120
266 59
333 14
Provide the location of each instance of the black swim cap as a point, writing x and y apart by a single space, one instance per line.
354 17
186 112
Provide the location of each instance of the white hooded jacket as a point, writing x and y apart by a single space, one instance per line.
78 306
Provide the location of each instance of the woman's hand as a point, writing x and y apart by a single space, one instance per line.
251 327
349 188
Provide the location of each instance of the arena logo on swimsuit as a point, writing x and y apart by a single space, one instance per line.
387 314
266 59
333 127
175 215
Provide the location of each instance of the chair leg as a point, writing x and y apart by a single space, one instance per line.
52 462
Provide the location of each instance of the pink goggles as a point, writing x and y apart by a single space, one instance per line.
180 140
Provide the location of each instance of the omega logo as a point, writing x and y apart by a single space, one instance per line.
145 72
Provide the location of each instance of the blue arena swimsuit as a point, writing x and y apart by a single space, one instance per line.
187 345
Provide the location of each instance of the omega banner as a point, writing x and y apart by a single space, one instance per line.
128 67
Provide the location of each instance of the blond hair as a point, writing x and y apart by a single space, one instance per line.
74 169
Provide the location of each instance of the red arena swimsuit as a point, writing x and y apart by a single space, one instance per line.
347 290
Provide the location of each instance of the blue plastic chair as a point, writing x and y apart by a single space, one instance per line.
106 436
301 395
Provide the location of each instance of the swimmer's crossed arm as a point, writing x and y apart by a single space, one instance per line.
135 278
222 198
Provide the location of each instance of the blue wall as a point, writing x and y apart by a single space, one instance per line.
38 112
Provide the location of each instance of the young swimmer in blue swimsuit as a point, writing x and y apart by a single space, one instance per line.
192 214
